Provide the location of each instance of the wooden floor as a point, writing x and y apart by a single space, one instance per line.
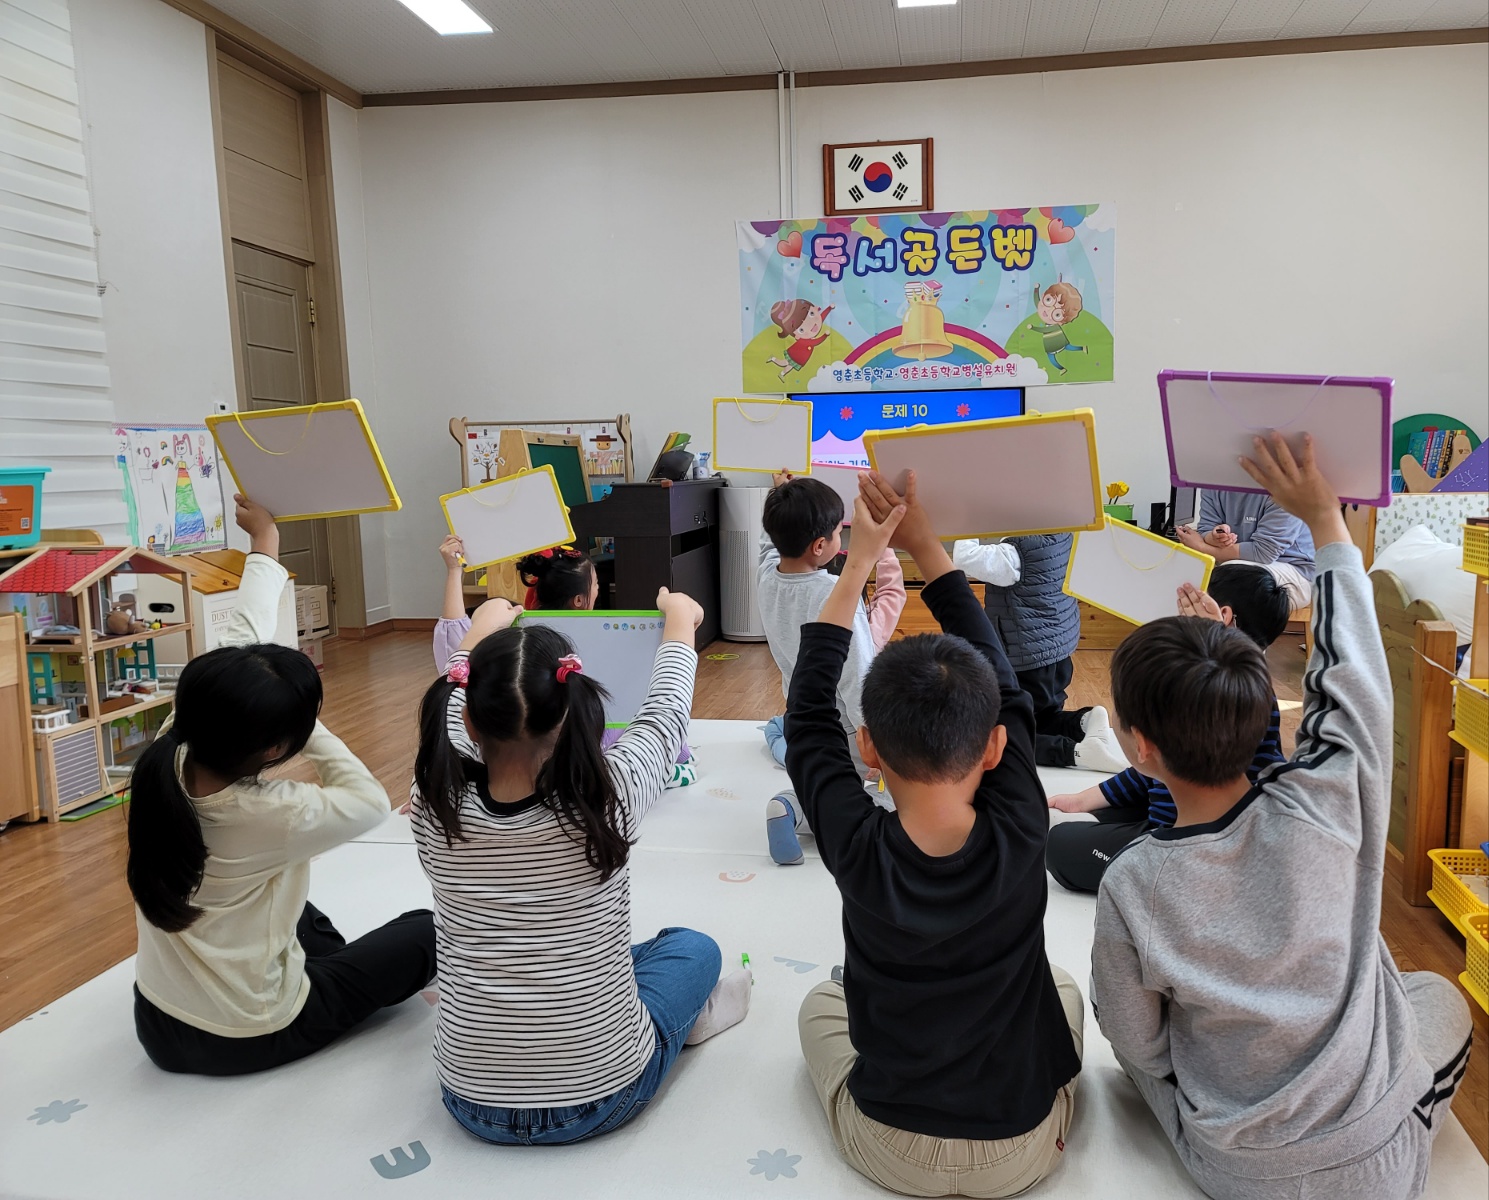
67 915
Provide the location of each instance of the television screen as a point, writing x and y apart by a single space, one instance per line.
839 419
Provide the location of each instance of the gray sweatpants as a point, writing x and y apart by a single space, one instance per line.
1396 1169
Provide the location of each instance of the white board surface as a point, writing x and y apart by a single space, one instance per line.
509 517
1131 573
618 650
842 480
1016 475
1211 418
317 460
762 435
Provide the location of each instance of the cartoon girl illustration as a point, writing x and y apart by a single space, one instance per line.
1057 307
803 321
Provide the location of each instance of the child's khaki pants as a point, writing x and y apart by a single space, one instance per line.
915 1164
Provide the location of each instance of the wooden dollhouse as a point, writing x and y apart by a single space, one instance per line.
91 655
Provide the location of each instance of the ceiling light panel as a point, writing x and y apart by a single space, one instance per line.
447 17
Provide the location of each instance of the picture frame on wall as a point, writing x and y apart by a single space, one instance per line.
878 177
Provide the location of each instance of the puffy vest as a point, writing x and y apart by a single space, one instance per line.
1038 622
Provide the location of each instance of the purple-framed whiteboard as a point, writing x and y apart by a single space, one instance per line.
1210 418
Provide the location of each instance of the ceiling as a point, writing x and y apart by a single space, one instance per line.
379 46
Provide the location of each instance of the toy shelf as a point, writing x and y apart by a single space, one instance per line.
123 641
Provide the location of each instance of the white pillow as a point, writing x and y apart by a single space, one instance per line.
1432 570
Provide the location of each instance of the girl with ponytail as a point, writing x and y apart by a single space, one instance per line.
237 971
551 1026
557 579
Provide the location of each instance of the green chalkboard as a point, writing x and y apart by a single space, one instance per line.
568 468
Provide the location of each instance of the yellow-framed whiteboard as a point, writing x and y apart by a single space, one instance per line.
312 460
762 435
1000 478
1131 573
509 517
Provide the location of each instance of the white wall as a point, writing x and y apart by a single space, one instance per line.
515 272
147 113
1320 214
142 71
351 236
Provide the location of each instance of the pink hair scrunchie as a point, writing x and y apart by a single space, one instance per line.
568 665
458 672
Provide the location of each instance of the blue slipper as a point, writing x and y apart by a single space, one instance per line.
780 830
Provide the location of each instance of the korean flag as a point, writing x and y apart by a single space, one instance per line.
876 178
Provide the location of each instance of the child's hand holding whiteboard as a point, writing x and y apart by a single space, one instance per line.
618 650
1016 475
509 517
314 460
1210 419
1133 574
763 435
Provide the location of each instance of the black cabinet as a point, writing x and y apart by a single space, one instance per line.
666 535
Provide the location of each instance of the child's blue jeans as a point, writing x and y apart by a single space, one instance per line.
675 972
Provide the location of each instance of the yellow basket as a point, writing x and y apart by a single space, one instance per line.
1448 891
1476 977
1471 715
1476 549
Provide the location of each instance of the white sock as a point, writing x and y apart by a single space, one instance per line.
1100 752
727 1005
1095 722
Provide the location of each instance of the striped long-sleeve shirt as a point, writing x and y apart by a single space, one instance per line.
1132 789
538 1002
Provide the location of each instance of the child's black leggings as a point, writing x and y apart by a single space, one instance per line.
348 983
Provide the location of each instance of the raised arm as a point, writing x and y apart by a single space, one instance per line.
256 616
1346 688
348 801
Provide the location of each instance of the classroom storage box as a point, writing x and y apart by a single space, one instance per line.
20 506
1449 892
1476 549
1471 715
1475 977
312 610
311 647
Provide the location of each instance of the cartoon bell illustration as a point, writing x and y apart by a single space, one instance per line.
923 335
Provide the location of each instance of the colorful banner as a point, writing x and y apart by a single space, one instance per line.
921 301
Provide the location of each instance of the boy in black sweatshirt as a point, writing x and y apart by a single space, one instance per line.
946 1060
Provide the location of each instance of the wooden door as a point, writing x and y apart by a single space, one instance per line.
276 322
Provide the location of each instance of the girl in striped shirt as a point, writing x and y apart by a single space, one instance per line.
552 1027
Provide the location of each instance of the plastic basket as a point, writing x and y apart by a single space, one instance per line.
20 506
1471 715
1476 549
1448 891
1475 976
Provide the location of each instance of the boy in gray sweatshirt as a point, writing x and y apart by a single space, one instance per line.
1238 968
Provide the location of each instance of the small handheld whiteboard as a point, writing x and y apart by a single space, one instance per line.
763 435
842 480
1131 573
1012 476
314 460
1211 417
618 650
509 517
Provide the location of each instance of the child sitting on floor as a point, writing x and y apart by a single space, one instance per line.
803 532
556 579
1238 968
552 1027
946 1060
1130 804
1040 626
237 971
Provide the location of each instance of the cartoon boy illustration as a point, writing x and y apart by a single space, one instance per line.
1058 306
802 320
